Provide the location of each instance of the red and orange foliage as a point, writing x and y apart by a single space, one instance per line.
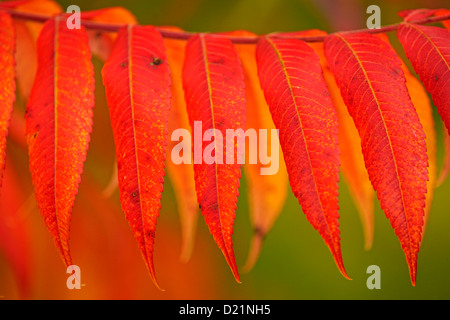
346 101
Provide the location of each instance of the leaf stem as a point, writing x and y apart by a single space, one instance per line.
184 35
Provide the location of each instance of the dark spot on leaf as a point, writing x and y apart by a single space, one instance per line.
135 196
396 71
156 62
123 64
218 61
436 78
151 234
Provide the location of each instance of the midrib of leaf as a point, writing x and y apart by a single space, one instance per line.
387 134
55 120
208 82
130 93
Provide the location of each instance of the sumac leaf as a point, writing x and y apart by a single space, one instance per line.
291 78
422 104
215 99
58 110
137 84
7 82
369 75
428 49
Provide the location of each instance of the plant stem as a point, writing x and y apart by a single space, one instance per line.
184 35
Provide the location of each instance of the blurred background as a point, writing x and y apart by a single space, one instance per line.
294 263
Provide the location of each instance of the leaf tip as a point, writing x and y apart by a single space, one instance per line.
340 264
153 277
254 251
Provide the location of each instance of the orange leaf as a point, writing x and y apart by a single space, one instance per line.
26 57
267 192
137 80
428 50
215 99
59 109
298 98
7 82
368 73
26 37
49 7
17 129
100 42
182 174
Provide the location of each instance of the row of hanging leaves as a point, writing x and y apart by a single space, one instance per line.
347 101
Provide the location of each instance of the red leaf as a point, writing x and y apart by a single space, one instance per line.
301 107
7 82
369 75
416 14
59 109
215 97
428 50
422 104
137 83
419 14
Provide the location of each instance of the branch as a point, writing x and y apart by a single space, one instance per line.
184 35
